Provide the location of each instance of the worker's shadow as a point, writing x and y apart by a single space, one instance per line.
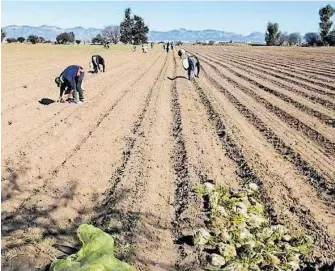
177 77
46 101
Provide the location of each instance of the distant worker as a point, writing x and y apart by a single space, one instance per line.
152 45
164 46
97 60
144 49
70 82
167 47
172 45
191 64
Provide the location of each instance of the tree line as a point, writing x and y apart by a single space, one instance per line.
132 30
62 38
32 38
325 37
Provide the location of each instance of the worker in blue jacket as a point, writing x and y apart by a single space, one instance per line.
70 82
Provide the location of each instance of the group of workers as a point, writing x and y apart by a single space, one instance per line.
168 46
70 81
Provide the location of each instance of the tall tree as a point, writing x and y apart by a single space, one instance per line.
111 33
140 31
294 39
10 40
98 39
65 37
33 39
331 36
272 34
3 34
325 23
41 39
21 39
283 38
312 39
126 27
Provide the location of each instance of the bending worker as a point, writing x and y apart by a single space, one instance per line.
191 64
70 82
97 60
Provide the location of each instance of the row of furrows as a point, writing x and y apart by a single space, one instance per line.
130 143
73 152
326 144
322 117
246 173
291 80
34 101
325 189
183 189
69 115
264 75
297 78
305 64
274 63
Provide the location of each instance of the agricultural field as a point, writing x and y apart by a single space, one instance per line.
129 159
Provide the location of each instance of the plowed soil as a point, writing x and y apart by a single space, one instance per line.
129 158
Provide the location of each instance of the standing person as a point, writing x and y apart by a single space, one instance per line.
164 46
172 45
144 49
167 47
152 45
70 81
97 60
191 64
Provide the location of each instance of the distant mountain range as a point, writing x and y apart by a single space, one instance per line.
204 35
50 33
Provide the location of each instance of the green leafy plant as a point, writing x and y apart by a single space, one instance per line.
243 235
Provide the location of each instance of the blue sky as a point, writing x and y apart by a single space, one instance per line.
239 17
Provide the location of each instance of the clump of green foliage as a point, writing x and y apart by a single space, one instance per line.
242 235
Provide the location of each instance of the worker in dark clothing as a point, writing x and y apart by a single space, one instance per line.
190 63
171 45
70 82
167 47
97 60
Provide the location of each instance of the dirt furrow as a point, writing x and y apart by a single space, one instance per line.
284 84
32 97
186 204
326 144
302 83
32 148
291 208
325 188
55 116
84 194
277 74
290 68
269 88
133 206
